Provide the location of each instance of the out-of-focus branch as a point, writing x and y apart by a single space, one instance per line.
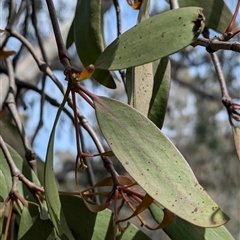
216 45
221 78
44 55
62 51
196 90
119 19
16 172
41 64
11 104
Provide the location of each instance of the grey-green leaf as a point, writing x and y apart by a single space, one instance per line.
160 92
181 229
155 163
216 12
152 39
51 190
31 226
87 225
87 28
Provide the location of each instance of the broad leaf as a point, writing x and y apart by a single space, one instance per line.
160 92
85 224
216 12
140 83
32 227
87 28
155 163
181 229
50 186
152 39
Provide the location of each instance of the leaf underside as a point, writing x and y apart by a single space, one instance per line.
155 163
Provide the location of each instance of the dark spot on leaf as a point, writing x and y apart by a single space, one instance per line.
195 210
120 58
147 169
184 25
175 200
140 37
179 35
126 163
172 205
180 18
190 193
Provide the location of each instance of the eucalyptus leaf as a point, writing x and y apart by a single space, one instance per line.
236 139
32 227
141 82
160 91
155 163
152 39
87 31
85 224
3 195
51 190
70 36
181 229
216 12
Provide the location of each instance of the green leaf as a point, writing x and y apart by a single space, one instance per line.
3 195
140 82
144 11
85 224
181 229
11 136
152 39
141 85
88 38
216 12
160 93
155 163
236 138
70 36
32 227
50 185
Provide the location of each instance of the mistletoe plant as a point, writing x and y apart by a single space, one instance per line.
160 181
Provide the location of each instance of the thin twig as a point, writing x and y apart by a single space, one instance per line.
220 75
11 104
119 18
119 32
41 64
44 55
15 172
62 51
13 18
